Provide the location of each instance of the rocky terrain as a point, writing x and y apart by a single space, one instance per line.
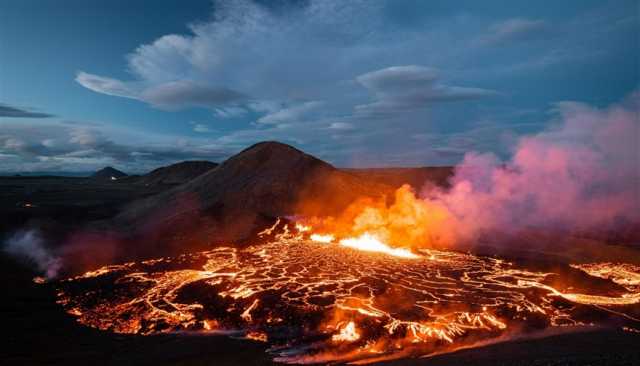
175 174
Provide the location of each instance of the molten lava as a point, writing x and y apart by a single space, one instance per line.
364 286
370 243
321 298
408 222
322 238
348 333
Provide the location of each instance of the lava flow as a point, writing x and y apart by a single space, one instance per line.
315 298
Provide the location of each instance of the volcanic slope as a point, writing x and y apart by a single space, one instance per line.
247 191
177 173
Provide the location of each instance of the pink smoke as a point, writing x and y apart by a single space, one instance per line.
581 175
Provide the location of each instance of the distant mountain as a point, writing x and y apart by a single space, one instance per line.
46 174
246 193
108 173
177 173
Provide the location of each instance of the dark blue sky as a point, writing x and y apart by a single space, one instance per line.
137 84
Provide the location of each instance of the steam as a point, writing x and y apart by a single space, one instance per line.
28 244
581 175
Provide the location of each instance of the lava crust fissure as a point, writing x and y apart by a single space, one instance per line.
318 302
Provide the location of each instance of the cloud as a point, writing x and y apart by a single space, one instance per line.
229 112
15 112
515 29
85 147
344 126
249 56
107 85
168 95
398 77
290 114
259 65
408 88
201 128
185 93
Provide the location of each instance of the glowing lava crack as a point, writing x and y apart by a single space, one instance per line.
318 301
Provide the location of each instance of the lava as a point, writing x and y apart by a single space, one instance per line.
370 243
347 333
623 274
322 238
408 222
322 301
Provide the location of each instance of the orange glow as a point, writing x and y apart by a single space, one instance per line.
348 333
322 238
623 274
408 222
341 278
246 315
302 228
210 324
370 243
257 336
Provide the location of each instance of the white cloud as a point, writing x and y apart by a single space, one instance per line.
314 74
166 95
398 77
250 63
515 29
291 114
407 88
265 106
186 93
201 128
229 112
83 136
341 126
249 56
107 85
38 146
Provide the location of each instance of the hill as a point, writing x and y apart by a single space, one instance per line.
108 173
245 194
177 173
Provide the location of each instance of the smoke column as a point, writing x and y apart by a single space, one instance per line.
28 244
581 175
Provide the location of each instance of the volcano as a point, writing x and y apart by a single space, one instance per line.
176 174
247 192
108 173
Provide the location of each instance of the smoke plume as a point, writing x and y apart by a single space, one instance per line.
28 244
581 175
